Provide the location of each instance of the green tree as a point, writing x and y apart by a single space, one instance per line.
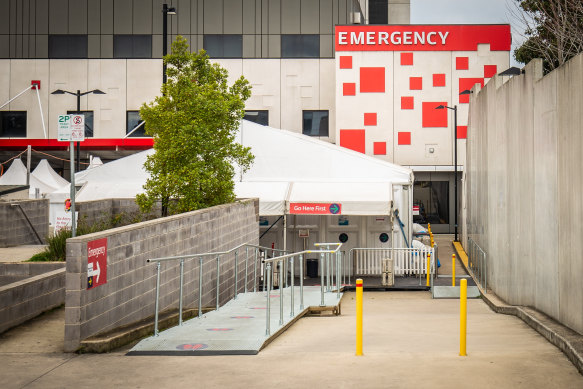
553 31
194 123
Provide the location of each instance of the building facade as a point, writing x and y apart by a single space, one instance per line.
291 51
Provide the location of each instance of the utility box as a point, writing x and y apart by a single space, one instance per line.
388 270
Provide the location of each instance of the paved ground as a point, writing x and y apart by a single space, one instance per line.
410 340
19 253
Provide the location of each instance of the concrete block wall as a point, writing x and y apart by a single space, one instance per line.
15 230
129 294
104 211
523 188
25 299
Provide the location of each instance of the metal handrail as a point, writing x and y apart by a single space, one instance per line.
201 256
478 264
324 254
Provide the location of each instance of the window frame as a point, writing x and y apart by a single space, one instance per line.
312 111
141 131
133 38
11 135
52 45
208 39
300 44
259 113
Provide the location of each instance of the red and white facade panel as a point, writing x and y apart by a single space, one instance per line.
390 79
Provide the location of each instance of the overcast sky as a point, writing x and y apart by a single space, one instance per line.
465 11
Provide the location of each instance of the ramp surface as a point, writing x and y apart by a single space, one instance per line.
236 328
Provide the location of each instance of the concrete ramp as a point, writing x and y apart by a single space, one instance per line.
453 292
238 327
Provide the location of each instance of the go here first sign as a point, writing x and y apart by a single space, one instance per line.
96 263
71 128
315 208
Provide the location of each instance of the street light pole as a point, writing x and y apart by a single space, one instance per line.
165 12
78 94
454 109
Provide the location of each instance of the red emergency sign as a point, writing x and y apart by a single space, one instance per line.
96 263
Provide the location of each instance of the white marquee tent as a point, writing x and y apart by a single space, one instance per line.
42 177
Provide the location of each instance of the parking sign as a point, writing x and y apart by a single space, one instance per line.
71 128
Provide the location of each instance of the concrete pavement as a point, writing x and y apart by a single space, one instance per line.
20 253
410 340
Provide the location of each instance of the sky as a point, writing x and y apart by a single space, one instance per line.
466 12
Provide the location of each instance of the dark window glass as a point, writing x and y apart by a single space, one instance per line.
133 119
13 124
132 46
432 197
315 123
67 46
300 46
88 121
259 117
378 11
223 46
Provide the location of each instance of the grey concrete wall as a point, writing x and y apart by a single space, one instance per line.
129 294
106 210
15 230
25 299
523 188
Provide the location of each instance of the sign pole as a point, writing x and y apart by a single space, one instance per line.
72 194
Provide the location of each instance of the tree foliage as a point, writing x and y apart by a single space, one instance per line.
553 30
194 123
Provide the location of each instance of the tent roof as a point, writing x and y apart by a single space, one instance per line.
288 167
46 174
16 175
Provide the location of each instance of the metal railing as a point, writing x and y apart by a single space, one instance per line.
259 253
407 261
478 264
328 273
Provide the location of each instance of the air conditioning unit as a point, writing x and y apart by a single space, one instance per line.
356 17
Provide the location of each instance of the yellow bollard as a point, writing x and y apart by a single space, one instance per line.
453 270
463 315
359 317
428 269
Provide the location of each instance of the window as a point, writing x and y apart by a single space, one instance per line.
133 119
88 121
432 197
223 46
132 46
12 124
300 46
378 11
315 123
67 46
259 117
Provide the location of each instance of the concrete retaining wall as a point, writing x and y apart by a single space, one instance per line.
15 230
106 210
42 288
523 188
129 294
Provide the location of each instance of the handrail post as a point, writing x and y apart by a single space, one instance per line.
268 310
255 270
338 274
322 279
236 274
218 265
292 286
281 263
246 265
200 287
157 298
301 282
328 266
181 291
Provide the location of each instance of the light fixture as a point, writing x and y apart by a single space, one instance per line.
466 92
512 71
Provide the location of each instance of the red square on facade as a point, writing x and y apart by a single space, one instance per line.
490 71
372 80
352 139
404 138
349 89
461 63
415 83
439 79
380 148
468 84
433 117
345 62
407 102
406 59
462 132
370 119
